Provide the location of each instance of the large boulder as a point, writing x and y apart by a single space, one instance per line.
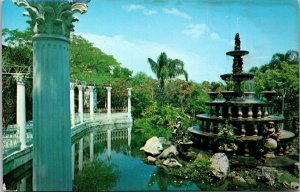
172 150
219 165
152 146
171 162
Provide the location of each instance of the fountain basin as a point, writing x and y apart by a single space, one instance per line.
213 95
228 95
269 95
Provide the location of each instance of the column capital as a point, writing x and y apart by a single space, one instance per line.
91 88
129 91
52 17
72 86
81 87
108 88
20 78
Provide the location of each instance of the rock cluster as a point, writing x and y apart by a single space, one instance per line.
154 146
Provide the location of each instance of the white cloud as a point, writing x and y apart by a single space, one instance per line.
136 7
195 30
176 12
214 36
133 54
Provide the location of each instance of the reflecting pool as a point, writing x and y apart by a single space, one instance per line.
104 159
111 163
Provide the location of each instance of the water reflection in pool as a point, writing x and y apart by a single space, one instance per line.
105 159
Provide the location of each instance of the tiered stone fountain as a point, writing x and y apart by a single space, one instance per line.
257 133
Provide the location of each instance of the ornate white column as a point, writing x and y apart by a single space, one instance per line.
80 155
21 108
72 103
129 104
108 102
51 23
80 102
91 146
91 90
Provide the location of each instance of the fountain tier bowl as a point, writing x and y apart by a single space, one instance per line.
227 95
213 95
237 77
269 94
237 53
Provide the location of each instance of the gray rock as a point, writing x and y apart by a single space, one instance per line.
236 178
168 151
232 174
152 146
219 165
294 186
151 159
171 162
239 180
250 180
267 174
164 141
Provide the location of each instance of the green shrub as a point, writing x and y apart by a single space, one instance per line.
159 121
198 171
286 176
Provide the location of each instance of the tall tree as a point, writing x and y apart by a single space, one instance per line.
290 57
165 69
282 75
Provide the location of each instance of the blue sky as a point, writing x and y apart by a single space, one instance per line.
199 32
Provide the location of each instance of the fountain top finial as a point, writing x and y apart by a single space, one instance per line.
237 46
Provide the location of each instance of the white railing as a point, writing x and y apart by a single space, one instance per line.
114 110
119 134
11 138
29 127
101 136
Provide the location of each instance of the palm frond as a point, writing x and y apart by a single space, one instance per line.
154 67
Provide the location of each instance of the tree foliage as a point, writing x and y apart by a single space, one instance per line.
281 74
166 68
87 62
16 52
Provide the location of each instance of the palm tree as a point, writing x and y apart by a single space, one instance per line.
166 68
291 57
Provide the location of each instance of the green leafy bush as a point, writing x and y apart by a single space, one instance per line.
199 170
159 121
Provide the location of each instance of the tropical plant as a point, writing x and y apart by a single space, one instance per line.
165 69
281 74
